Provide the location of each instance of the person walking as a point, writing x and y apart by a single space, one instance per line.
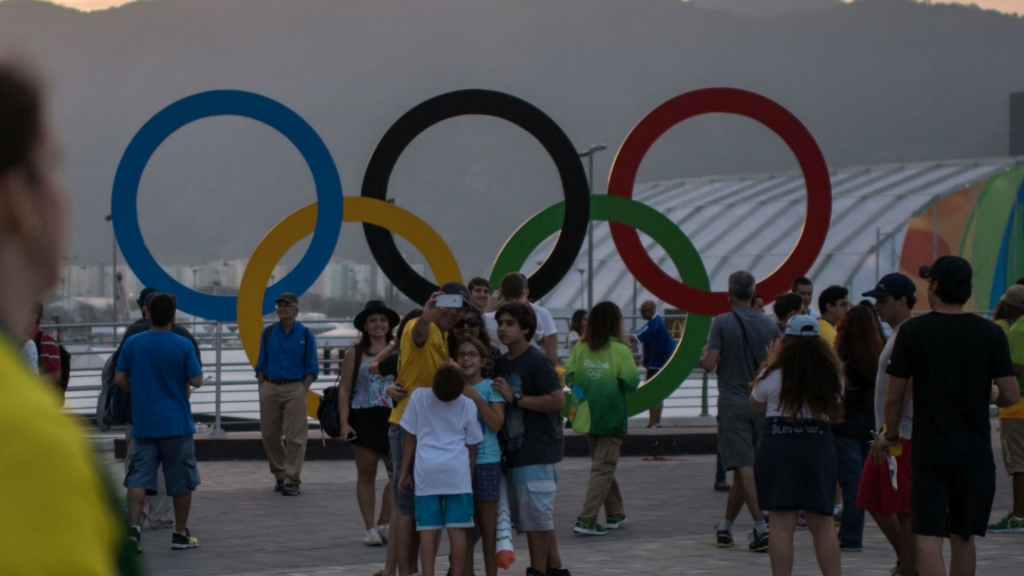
658 348
51 465
365 408
161 368
1011 419
286 369
885 486
859 345
157 511
800 391
737 345
952 357
601 371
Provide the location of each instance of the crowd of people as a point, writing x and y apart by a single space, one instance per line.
816 417
824 413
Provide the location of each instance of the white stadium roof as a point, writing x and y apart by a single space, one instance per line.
752 222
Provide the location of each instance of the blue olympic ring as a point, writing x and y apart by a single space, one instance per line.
124 201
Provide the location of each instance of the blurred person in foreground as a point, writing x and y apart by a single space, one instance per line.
58 514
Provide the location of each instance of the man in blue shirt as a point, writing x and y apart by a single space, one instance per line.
658 347
286 369
158 367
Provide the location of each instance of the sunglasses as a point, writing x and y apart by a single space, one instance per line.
472 323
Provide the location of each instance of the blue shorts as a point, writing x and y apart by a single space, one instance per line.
178 456
444 511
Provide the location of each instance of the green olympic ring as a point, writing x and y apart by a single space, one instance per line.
663 231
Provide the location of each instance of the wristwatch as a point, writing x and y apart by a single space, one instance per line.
887 439
516 397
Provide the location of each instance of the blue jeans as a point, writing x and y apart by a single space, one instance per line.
850 455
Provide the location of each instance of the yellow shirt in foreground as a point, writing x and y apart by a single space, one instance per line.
418 364
828 331
56 515
1015 335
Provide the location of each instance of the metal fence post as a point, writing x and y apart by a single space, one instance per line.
704 396
218 431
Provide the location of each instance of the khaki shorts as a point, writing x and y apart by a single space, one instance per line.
1012 435
739 432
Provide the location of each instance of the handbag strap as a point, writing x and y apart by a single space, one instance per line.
746 343
355 374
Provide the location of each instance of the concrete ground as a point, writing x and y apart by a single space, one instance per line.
244 527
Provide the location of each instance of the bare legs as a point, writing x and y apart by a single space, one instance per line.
182 505
744 491
486 514
366 485
430 541
826 543
780 546
962 561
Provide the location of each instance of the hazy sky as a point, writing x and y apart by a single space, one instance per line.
1003 5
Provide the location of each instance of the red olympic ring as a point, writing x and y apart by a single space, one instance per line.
760 109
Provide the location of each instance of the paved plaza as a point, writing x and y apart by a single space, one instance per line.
246 528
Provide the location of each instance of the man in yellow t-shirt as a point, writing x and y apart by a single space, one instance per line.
834 303
56 514
423 348
1011 419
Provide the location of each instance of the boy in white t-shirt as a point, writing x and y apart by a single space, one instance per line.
441 433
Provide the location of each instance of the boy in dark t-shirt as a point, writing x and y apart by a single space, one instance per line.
533 432
952 357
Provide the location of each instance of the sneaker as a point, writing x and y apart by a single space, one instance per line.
1008 525
290 490
724 538
531 572
849 548
588 528
722 487
135 537
184 541
383 531
758 543
801 522
615 520
372 538
837 518
278 486
559 572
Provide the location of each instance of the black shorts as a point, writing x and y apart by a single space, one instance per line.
371 426
953 500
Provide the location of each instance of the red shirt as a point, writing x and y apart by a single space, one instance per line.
49 353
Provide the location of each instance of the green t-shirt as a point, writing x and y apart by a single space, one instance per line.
600 381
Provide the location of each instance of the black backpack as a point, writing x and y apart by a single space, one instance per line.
327 413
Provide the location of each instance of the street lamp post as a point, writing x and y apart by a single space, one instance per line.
582 303
113 273
589 155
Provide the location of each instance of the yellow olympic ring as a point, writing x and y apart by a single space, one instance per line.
300 224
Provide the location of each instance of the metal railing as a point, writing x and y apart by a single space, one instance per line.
230 391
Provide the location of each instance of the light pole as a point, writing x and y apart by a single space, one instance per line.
589 155
113 273
582 303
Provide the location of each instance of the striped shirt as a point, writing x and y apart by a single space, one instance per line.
49 352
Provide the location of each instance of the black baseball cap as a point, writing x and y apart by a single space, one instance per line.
894 284
949 271
456 288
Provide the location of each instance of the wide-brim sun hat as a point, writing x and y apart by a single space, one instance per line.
376 307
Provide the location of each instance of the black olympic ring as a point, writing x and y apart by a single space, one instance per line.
486 103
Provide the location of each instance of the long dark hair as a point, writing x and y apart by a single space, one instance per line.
481 334
410 316
364 336
858 344
605 323
811 374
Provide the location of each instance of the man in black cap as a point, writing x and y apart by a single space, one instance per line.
157 510
952 357
423 348
895 299
287 367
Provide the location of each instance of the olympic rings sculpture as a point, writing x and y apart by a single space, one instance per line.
568 218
